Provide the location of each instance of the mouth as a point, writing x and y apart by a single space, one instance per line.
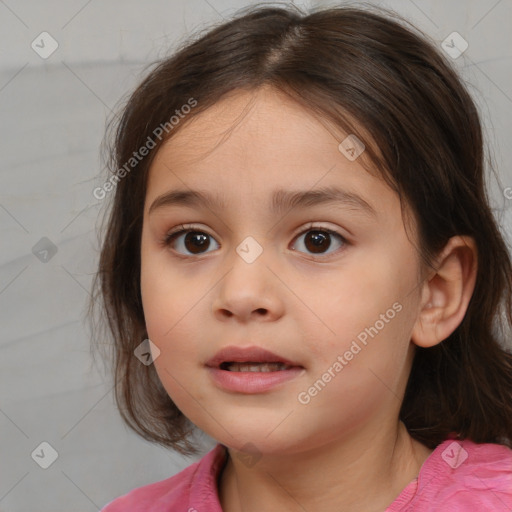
251 366
251 370
250 359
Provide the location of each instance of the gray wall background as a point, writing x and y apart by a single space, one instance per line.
53 113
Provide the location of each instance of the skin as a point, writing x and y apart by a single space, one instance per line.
305 306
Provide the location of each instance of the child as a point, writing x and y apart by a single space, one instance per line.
369 374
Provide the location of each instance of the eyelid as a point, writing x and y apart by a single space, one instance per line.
303 229
318 225
185 227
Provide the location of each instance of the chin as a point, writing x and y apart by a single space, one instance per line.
259 442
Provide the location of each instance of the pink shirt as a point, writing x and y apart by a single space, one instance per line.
457 476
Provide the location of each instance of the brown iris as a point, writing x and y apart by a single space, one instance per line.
317 241
196 242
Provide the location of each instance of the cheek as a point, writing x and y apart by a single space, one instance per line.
167 315
367 315
358 294
166 298
165 309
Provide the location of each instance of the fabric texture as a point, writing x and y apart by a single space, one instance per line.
457 476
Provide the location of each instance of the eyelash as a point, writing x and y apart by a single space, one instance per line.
171 236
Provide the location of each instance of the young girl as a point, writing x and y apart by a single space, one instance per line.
300 261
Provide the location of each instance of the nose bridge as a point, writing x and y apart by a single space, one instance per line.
246 288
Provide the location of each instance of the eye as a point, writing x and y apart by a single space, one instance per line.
192 240
319 240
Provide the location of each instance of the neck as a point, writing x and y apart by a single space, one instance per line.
363 473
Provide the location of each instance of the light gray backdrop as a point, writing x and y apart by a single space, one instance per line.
53 108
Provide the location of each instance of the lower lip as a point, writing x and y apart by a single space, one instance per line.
253 382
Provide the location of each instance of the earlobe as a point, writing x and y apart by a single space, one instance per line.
446 292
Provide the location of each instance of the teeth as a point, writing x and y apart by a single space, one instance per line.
256 367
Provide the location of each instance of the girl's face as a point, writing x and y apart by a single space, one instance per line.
330 285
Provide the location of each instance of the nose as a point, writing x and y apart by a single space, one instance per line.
248 292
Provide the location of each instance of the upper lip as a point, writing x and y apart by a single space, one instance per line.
252 354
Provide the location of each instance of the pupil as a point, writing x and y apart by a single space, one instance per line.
319 241
195 241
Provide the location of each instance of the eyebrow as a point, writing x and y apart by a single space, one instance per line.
282 200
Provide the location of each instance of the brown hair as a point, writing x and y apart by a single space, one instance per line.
353 67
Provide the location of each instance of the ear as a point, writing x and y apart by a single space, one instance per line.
445 295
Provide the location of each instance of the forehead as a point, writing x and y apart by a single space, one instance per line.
255 142
244 123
